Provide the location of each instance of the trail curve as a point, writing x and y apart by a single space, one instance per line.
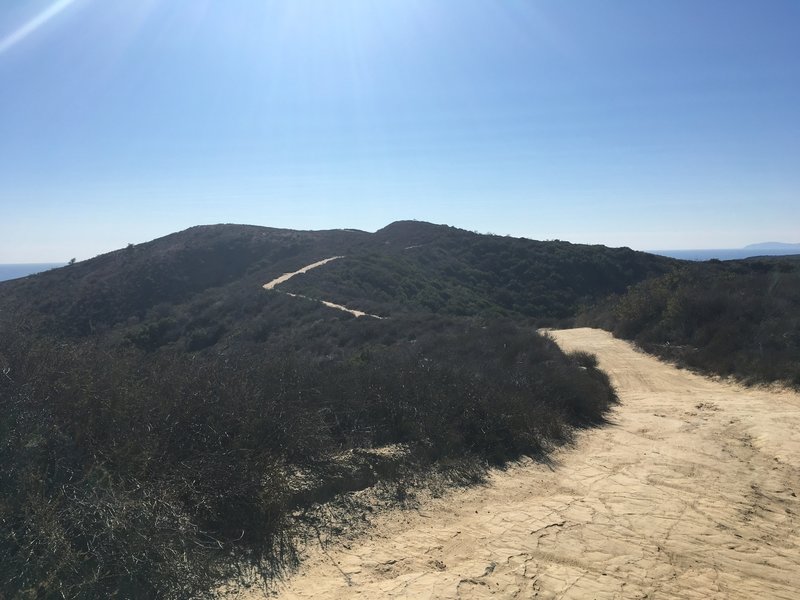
691 493
271 285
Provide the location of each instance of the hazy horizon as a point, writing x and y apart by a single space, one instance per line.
744 251
647 125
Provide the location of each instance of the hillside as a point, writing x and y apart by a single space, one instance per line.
181 412
203 286
92 296
736 318
167 423
443 270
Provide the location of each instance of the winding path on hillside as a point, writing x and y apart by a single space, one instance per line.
690 492
287 276
271 285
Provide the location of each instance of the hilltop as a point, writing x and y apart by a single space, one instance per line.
203 286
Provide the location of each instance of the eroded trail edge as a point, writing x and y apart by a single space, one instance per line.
691 492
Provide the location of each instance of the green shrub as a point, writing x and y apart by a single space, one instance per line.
141 474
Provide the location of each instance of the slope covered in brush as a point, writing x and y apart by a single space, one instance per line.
418 267
124 286
165 422
156 474
202 287
739 318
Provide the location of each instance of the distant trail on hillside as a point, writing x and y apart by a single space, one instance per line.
287 276
690 492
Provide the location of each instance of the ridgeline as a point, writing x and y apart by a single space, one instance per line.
166 422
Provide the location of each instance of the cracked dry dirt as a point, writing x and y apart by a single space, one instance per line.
690 492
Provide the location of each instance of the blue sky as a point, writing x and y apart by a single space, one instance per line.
659 124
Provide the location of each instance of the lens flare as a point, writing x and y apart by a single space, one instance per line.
35 23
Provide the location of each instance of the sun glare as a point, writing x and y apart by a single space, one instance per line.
15 37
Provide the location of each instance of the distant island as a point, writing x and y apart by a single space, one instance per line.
750 251
773 246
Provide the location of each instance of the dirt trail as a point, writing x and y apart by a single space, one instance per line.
287 276
689 493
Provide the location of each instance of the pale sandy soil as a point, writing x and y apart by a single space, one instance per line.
352 311
287 276
689 493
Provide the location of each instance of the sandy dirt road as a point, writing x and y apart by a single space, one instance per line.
691 492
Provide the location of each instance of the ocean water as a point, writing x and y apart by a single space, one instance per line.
721 254
21 270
